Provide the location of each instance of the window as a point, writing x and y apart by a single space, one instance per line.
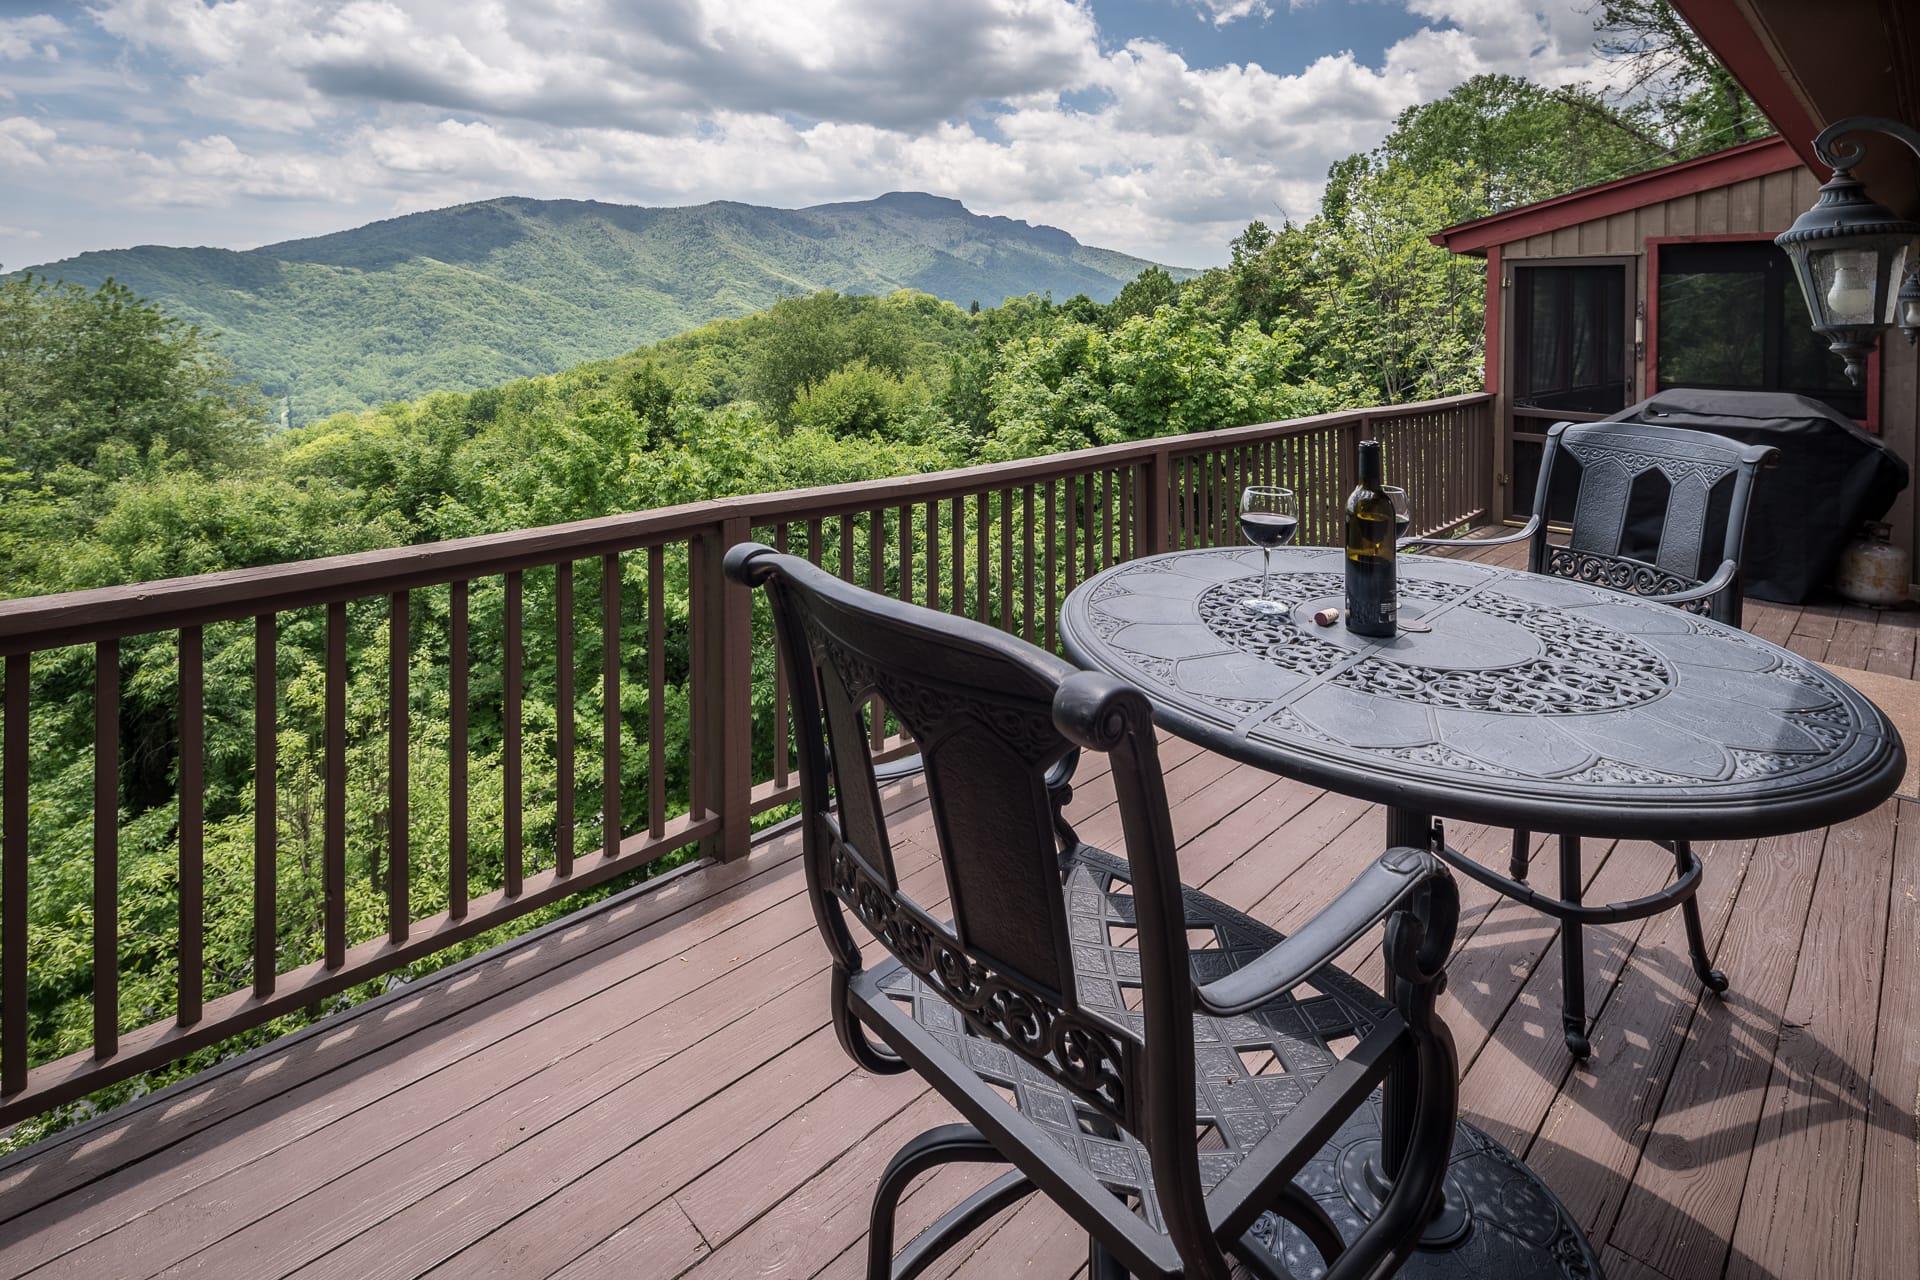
1731 316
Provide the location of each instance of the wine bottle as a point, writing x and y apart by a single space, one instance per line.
1371 587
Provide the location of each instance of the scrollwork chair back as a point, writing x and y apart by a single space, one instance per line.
1704 475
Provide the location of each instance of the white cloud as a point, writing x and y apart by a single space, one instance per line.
370 107
35 35
1221 12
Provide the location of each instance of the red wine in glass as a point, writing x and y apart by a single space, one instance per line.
1268 529
1267 520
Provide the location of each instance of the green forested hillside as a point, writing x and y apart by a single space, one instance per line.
480 294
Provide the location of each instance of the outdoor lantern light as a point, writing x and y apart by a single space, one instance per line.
1853 255
1909 304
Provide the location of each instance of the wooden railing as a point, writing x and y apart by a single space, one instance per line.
685 736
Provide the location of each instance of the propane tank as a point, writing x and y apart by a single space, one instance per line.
1871 570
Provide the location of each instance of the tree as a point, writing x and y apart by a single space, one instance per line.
1675 77
83 371
1143 295
1510 141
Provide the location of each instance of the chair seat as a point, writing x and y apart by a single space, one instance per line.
1250 1070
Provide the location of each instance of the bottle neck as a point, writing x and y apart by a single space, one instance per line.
1371 475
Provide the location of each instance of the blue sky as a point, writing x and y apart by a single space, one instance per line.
1159 127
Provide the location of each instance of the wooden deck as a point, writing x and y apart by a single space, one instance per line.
650 1089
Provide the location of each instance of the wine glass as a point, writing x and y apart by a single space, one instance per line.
1402 513
1267 520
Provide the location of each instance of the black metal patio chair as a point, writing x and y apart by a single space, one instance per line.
1658 491
1095 1023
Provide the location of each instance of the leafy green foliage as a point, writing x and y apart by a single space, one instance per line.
1676 78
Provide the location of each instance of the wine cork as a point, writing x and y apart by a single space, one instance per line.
1327 617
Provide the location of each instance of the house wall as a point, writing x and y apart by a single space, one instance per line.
1763 205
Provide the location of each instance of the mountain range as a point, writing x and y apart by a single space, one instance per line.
482 293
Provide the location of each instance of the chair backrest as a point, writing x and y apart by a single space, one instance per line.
991 715
1644 486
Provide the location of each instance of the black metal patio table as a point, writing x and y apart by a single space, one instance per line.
1511 699
1532 702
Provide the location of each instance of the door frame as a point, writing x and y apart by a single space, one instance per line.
1519 506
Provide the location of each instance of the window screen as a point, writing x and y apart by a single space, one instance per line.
1731 316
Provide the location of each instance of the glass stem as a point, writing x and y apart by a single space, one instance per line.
1266 565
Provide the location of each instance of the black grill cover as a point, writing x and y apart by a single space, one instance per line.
1831 477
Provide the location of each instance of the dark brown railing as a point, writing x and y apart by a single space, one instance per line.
510 617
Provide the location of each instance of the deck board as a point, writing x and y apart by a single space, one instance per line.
653 1088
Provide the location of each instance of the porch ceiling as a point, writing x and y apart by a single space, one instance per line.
1807 65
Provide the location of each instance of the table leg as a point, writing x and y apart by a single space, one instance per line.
1369 1171
1413 828
1573 953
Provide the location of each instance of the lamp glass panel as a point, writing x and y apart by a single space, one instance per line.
1896 272
1845 278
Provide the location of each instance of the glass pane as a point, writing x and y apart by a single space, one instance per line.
1573 334
1543 357
1713 328
1714 303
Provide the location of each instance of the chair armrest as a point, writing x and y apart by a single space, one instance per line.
1374 895
1519 535
1722 577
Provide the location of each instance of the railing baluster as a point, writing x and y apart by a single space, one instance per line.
106 849
191 975
876 583
512 853
333 872
845 567
266 805
13 878
930 512
958 528
1052 594
1026 563
457 663
563 717
612 828
906 551
699 795
399 731
782 769
1106 518
656 693
1006 561
982 519
1070 500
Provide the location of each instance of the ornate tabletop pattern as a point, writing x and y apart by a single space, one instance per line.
1527 691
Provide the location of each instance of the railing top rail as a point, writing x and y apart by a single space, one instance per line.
81 617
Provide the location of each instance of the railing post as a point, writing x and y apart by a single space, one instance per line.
1155 494
726 631
1486 455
